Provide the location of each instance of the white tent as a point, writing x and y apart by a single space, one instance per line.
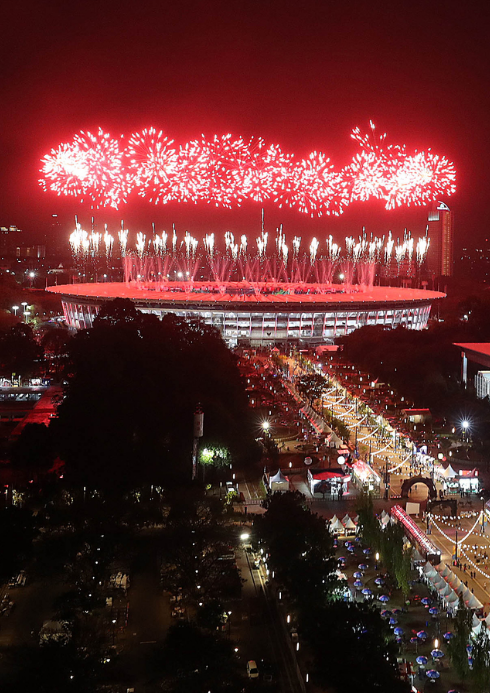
455 582
347 522
278 482
476 625
470 600
460 589
452 598
444 591
438 582
449 473
443 570
336 525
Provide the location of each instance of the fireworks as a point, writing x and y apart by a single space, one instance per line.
92 165
225 172
319 266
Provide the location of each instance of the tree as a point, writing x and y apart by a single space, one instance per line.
300 547
457 645
311 385
128 413
368 661
480 673
19 352
196 542
17 532
196 662
34 449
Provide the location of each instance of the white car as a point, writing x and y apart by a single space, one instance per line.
252 671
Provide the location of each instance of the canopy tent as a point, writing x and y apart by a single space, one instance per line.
429 572
471 601
452 598
336 525
438 582
445 591
476 625
278 482
327 477
449 473
443 570
455 582
348 523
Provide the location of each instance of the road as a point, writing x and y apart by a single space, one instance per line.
257 628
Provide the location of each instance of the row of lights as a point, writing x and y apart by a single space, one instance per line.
26 312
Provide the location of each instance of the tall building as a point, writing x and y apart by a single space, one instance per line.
439 261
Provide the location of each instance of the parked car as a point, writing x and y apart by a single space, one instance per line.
252 670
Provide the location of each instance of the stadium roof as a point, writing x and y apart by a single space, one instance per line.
180 293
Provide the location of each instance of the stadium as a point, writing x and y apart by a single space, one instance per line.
259 314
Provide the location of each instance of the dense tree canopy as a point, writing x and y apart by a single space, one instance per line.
19 352
300 546
423 366
352 649
136 382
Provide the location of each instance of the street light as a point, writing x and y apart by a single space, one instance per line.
15 309
377 559
266 425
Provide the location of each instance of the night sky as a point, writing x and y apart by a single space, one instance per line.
300 74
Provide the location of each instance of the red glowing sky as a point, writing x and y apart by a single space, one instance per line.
300 74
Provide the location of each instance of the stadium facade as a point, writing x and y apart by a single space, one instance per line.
260 315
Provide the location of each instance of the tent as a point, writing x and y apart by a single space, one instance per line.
471 601
452 598
347 522
476 625
430 572
449 473
278 482
443 570
336 525
455 582
444 591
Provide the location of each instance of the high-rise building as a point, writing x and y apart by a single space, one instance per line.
439 261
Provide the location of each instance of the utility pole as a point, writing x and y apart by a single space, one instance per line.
386 478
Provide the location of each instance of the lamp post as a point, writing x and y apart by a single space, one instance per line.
465 425
376 559
386 479
15 309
